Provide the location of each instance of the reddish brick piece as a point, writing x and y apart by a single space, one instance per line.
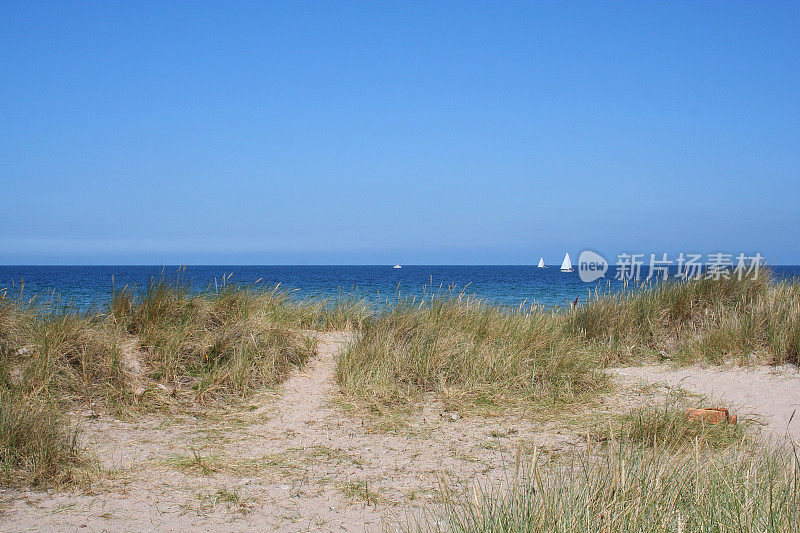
712 415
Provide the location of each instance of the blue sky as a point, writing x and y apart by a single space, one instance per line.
375 132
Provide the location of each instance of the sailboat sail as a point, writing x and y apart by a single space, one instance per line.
566 266
541 263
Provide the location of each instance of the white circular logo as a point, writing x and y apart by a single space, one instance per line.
591 266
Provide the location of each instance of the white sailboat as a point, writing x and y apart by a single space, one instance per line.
397 266
566 266
541 263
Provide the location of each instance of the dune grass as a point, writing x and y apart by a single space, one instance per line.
219 343
38 445
227 342
459 345
662 474
666 425
144 349
58 353
626 489
696 320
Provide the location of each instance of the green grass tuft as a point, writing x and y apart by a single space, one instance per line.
624 487
696 320
38 446
462 346
667 425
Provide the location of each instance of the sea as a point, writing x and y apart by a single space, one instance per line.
89 288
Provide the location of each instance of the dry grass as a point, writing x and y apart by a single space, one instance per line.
666 426
199 464
59 353
662 475
217 344
228 342
197 347
224 344
38 445
460 346
706 320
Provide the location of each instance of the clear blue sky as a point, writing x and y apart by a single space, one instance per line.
375 132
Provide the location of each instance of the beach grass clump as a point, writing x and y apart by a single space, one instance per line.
227 342
463 347
779 316
223 342
645 313
54 358
48 361
59 352
346 312
38 445
701 319
624 487
667 425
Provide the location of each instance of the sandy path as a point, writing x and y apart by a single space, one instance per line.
288 462
293 460
766 393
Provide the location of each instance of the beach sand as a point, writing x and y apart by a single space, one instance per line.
296 460
767 395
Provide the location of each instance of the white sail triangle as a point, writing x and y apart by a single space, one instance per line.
541 263
566 266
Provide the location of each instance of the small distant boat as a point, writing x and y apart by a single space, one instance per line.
541 263
397 266
566 266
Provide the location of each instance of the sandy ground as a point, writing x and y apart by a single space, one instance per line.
288 462
294 460
767 395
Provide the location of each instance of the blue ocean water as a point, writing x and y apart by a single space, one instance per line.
89 287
